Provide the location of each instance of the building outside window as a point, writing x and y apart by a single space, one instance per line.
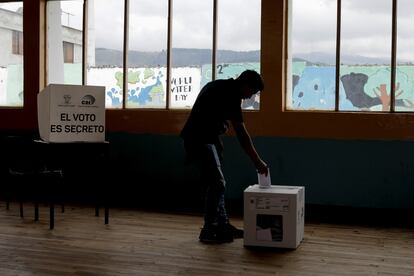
11 54
64 41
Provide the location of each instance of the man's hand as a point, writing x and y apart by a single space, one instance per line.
262 167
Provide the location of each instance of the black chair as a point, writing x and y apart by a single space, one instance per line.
28 177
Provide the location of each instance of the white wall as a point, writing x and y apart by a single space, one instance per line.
9 21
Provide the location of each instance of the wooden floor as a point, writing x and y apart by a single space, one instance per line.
150 243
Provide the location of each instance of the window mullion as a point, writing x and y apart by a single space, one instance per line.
169 41
338 54
125 54
393 55
85 41
214 48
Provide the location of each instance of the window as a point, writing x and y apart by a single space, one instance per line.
11 54
163 52
151 47
147 54
192 40
345 56
313 62
17 42
404 90
64 41
68 52
275 117
105 63
239 47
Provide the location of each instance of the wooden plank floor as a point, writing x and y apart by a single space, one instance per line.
150 243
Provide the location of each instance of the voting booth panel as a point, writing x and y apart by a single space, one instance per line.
274 216
71 113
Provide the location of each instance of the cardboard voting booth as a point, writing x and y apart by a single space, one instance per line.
71 113
274 216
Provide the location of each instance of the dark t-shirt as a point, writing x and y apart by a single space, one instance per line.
219 101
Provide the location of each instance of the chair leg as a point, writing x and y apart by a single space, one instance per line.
36 209
21 209
106 214
52 216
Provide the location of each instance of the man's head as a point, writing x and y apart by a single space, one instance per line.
251 83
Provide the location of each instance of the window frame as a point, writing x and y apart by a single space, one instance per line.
343 124
25 117
393 54
163 120
271 120
125 52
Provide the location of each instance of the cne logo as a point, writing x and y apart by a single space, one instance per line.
67 98
88 100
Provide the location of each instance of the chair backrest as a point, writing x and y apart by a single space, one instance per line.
21 155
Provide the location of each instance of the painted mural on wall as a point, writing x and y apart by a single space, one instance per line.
362 88
185 86
107 77
146 86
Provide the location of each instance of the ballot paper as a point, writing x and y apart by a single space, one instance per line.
264 180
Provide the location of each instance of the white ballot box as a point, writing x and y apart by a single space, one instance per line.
274 217
71 113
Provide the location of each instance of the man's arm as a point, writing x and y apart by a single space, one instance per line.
247 144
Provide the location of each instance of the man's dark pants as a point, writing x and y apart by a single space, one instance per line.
208 160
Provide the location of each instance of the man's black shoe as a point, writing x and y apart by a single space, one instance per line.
215 234
235 232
